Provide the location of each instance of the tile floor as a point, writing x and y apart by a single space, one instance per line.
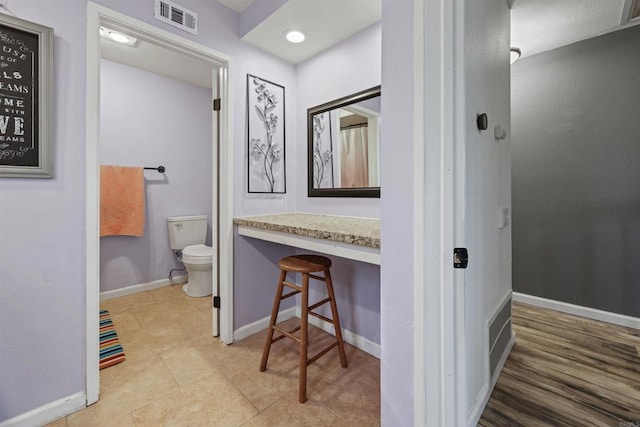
176 374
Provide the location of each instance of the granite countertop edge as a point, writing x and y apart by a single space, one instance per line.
335 236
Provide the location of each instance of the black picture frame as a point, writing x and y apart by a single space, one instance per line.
266 142
26 64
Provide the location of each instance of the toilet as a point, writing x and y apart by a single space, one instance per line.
188 234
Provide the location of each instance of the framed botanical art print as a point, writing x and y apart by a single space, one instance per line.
26 57
265 136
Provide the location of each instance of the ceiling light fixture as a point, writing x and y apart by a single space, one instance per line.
295 36
117 36
515 54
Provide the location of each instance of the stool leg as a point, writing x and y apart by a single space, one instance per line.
272 322
334 315
304 321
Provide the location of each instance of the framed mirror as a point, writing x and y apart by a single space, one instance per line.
344 146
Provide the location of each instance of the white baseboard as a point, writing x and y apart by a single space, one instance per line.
49 412
355 340
487 389
578 310
352 338
134 289
262 324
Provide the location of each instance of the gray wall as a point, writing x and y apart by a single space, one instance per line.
576 173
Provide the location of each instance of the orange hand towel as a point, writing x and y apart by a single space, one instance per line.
121 201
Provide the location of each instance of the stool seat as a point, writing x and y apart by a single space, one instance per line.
305 265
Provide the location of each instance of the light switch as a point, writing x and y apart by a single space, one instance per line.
504 217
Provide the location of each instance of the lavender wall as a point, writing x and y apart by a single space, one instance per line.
42 222
132 104
42 239
346 68
396 273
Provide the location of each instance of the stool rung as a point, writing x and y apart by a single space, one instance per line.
322 353
290 294
293 286
320 316
319 303
306 267
288 334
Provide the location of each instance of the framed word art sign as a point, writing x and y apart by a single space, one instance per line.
26 56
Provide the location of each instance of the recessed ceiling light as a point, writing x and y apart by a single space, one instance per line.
295 36
117 36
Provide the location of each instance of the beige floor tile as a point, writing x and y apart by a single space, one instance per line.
152 340
354 393
226 405
263 388
197 323
131 385
126 303
169 411
125 322
163 313
177 374
288 412
212 401
62 422
193 361
167 293
203 303
94 418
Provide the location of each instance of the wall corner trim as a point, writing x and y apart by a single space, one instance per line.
578 310
49 412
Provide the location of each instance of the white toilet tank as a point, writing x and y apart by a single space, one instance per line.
186 231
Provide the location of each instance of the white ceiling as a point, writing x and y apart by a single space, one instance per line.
325 23
536 26
541 25
237 5
160 60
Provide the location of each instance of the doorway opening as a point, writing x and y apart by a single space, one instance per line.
221 172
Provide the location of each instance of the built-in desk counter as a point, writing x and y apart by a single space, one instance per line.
346 237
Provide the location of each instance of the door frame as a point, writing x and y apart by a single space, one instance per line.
222 212
439 193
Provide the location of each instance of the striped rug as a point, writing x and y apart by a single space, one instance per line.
111 352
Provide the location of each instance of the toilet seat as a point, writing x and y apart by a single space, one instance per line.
197 254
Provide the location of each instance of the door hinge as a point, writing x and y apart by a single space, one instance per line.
217 104
460 258
216 302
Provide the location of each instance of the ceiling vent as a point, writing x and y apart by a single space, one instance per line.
176 15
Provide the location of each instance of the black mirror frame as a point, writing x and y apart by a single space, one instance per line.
371 192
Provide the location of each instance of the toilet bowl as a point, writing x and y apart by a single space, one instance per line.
197 261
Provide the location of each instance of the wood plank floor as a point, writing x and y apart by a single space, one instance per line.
567 371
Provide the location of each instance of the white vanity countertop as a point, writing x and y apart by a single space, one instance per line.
355 231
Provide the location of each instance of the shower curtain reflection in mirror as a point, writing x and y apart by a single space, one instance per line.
345 150
354 149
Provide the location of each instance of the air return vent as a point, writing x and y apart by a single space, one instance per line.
176 15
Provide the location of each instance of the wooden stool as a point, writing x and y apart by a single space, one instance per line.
304 264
